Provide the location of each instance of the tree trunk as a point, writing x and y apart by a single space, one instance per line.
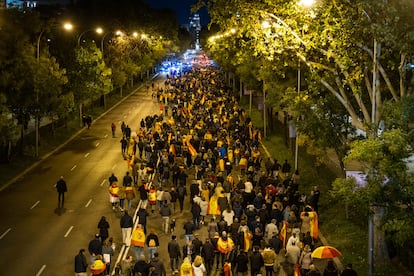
380 248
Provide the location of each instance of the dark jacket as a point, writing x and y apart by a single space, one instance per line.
189 227
158 266
154 237
81 265
256 261
126 221
174 249
207 251
61 186
165 210
95 246
142 267
241 262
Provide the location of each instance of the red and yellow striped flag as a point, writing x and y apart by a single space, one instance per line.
283 234
297 270
191 149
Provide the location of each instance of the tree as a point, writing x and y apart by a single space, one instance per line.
90 79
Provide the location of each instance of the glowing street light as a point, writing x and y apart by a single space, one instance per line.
97 30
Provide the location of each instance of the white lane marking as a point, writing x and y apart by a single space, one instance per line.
5 233
87 204
106 135
68 232
97 144
125 116
74 167
113 167
86 155
41 270
103 182
34 205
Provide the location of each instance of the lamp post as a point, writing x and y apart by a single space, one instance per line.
68 27
97 30
118 33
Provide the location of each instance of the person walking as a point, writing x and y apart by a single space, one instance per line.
138 241
157 266
113 129
199 268
181 192
126 224
207 252
121 197
165 213
95 247
112 179
81 265
152 243
124 144
61 188
113 194
103 226
107 253
174 254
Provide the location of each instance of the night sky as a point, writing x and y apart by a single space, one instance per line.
182 9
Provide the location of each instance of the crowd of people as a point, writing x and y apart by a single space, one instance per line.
203 146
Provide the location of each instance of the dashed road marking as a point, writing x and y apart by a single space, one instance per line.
74 167
5 233
89 202
41 270
86 155
97 144
34 205
103 182
68 232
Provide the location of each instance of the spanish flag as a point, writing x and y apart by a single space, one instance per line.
314 227
172 149
247 241
213 208
283 234
191 149
297 270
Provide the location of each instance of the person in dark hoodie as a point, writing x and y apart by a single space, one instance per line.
142 266
81 265
157 266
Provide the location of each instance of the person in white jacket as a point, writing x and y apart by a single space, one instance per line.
198 266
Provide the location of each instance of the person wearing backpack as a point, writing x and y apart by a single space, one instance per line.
152 243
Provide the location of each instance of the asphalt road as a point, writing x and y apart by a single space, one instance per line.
37 237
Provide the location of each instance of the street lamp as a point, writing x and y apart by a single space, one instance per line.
97 30
118 33
68 27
